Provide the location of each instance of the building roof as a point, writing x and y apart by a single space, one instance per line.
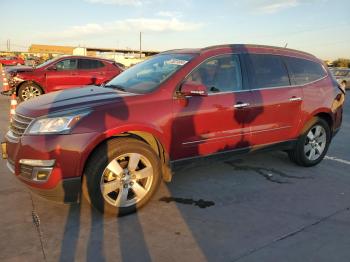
35 48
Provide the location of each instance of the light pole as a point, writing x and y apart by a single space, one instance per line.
140 45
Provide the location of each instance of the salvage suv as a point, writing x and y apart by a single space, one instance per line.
61 73
116 143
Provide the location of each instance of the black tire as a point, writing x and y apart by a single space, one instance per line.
96 166
298 156
32 86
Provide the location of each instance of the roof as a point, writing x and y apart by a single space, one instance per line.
87 57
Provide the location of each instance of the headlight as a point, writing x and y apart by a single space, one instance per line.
53 125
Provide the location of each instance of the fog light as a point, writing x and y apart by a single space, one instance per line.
41 173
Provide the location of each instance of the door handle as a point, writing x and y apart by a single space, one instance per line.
241 105
294 98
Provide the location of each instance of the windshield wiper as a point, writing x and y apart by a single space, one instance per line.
118 87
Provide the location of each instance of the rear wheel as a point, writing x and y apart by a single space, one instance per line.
121 176
28 91
313 144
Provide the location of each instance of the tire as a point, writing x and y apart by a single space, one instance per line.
28 91
109 169
314 140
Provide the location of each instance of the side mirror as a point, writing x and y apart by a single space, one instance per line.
52 68
190 88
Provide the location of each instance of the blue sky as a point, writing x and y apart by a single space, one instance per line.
321 27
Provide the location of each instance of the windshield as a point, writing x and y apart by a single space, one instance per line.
146 76
47 62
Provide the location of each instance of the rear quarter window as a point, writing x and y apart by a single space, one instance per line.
304 71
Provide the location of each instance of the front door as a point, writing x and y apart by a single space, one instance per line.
206 125
64 76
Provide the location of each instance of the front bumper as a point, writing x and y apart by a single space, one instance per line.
68 152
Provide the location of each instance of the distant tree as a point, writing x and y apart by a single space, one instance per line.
342 62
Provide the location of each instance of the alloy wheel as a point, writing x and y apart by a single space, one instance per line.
30 91
315 143
126 180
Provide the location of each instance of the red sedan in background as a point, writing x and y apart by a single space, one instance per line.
11 61
61 73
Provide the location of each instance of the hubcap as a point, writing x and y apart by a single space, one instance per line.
30 92
126 180
315 142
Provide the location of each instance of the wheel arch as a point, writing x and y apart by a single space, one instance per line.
29 81
323 114
327 117
147 137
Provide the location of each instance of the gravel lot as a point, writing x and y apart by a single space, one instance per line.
259 207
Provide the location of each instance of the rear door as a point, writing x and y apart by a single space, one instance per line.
64 76
279 102
91 72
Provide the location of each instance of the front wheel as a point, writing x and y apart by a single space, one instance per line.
121 176
28 91
313 144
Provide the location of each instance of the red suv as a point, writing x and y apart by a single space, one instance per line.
116 143
61 73
11 61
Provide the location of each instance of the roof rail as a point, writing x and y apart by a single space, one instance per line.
252 46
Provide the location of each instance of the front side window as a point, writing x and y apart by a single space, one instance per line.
148 75
219 74
304 71
266 71
67 64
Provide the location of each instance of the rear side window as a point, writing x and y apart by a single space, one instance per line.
89 64
304 71
266 71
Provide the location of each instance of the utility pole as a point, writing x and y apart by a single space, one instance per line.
140 45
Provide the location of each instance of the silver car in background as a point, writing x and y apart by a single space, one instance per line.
343 76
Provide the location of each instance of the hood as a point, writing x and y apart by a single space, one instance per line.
19 69
70 100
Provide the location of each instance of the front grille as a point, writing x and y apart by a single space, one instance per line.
18 126
26 171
